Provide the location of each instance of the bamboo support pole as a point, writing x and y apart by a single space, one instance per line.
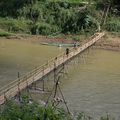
24 81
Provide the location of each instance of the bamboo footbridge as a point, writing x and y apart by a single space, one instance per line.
13 88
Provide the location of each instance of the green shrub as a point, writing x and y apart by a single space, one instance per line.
4 33
47 17
14 25
113 26
76 38
33 111
44 29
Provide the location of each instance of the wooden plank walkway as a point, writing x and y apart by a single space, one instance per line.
13 88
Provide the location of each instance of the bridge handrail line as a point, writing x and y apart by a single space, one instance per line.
27 75
22 78
18 79
48 65
33 71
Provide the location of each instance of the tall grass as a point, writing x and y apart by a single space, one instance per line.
14 25
4 33
113 25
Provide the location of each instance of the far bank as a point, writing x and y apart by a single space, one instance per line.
111 41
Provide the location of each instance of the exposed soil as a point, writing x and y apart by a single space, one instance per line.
111 41
39 39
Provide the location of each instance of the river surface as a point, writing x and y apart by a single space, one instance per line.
22 56
92 84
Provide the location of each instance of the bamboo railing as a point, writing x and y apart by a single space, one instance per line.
13 88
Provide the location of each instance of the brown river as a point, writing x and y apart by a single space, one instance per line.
92 84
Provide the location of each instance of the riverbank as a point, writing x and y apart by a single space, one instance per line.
36 39
111 41
48 39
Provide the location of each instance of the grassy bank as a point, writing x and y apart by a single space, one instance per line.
4 33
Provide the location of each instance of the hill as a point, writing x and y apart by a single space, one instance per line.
51 17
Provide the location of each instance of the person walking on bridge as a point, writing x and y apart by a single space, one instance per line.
67 51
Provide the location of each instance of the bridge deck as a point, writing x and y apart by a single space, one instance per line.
12 89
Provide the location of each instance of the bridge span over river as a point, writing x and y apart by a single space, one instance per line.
12 89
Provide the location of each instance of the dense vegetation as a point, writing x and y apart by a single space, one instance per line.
56 16
51 17
33 111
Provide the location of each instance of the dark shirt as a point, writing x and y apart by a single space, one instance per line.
67 51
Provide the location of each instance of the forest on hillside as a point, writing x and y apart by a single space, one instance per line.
51 17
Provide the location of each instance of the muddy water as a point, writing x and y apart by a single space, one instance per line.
92 84
22 56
